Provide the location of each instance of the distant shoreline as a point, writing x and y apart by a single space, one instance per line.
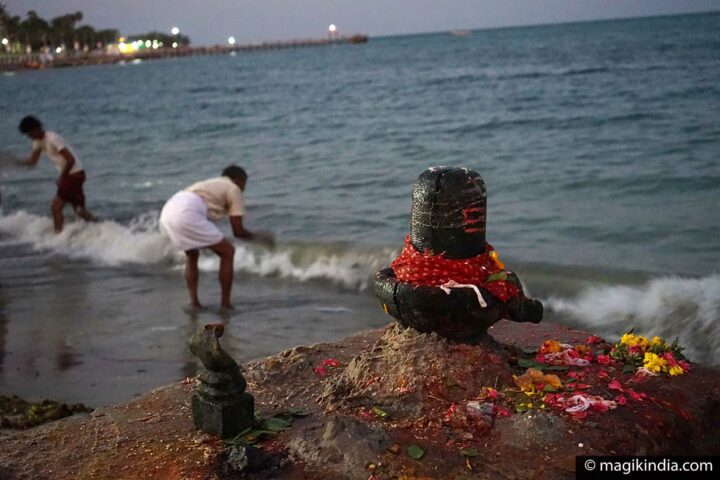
39 61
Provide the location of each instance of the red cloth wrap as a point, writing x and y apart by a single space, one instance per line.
70 188
435 270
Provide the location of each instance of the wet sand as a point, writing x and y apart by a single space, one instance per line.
76 332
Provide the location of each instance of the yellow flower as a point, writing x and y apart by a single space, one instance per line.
657 342
676 370
643 342
631 340
654 363
497 261
529 390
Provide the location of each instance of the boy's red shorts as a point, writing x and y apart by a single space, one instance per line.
70 189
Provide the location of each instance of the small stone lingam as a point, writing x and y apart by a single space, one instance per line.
448 279
220 406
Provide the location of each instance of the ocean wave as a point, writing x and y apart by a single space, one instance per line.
481 76
110 243
557 72
350 268
687 308
106 242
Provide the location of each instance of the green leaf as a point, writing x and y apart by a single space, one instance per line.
557 368
496 277
570 380
549 388
528 363
629 368
237 439
255 435
296 412
521 408
277 424
415 452
469 452
379 412
530 351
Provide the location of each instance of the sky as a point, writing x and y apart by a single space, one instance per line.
213 21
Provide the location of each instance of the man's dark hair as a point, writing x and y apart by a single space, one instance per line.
235 173
29 123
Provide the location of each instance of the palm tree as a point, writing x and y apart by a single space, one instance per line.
34 30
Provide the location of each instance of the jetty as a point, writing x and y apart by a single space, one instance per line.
102 57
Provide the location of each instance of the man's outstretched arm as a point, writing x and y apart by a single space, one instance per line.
239 229
241 232
33 160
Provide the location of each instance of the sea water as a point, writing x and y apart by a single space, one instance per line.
598 143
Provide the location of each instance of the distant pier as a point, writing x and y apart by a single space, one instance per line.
78 59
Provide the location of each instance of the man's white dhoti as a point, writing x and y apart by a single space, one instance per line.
184 219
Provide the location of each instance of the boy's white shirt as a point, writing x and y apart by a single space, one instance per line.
51 145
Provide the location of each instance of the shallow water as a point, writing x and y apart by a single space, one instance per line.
598 143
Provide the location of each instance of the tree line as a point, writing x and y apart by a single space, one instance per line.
34 33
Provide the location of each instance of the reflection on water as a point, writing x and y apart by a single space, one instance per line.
66 358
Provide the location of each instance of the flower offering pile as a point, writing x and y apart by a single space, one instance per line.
650 357
597 374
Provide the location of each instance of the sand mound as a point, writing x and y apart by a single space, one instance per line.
410 373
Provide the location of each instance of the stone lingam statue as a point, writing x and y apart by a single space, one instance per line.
220 406
448 279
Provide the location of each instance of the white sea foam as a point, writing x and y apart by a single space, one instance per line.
106 242
670 306
114 244
688 308
349 268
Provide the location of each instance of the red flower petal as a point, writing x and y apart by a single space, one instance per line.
603 359
615 385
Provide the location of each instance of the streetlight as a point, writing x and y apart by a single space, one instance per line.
174 30
5 41
231 40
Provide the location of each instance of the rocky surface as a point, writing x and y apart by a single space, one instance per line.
366 405
17 413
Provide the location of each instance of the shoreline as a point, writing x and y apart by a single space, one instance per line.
35 61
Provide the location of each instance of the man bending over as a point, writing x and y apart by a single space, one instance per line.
187 218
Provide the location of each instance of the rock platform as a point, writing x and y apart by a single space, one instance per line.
367 404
